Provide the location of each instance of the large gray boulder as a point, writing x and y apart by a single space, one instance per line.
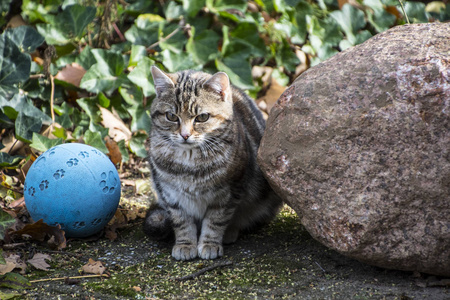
359 147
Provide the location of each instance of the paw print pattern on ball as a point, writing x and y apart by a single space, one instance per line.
31 191
96 152
96 221
72 162
83 154
79 225
43 185
59 174
108 183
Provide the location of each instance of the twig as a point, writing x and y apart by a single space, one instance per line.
117 30
404 12
204 270
52 97
61 252
34 76
164 39
73 277
323 270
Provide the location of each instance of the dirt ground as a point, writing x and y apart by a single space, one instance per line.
281 261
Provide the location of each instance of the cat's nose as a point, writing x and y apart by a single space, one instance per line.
185 136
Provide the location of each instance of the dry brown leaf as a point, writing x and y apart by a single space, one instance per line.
40 231
8 267
304 63
94 267
19 203
72 74
114 151
273 93
13 261
118 221
117 128
39 261
136 288
16 21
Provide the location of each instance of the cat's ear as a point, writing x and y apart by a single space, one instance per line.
219 83
162 80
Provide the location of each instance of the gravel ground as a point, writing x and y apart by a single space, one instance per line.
281 261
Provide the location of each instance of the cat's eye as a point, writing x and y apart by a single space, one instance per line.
202 118
171 117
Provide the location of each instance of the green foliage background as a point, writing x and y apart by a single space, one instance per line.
117 42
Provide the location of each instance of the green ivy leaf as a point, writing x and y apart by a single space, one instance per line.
75 18
20 103
107 74
68 25
89 105
176 42
176 62
145 30
14 281
286 57
124 151
138 53
223 5
95 140
416 12
86 59
141 76
173 11
109 61
25 126
238 70
14 65
25 37
4 7
137 144
131 94
351 20
7 160
203 47
7 92
247 33
140 118
378 17
193 7
42 143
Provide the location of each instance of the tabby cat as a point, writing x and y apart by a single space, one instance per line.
203 145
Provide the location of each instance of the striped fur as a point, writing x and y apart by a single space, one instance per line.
203 143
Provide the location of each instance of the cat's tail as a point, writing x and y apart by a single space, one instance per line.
158 225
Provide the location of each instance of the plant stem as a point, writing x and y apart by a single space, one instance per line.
404 12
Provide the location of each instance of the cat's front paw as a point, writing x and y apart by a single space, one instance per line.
210 251
184 252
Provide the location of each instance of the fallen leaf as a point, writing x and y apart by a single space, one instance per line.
19 203
137 289
16 21
94 267
40 231
6 268
117 128
38 261
114 151
119 220
13 261
72 74
273 93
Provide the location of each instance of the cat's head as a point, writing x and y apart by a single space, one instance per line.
191 108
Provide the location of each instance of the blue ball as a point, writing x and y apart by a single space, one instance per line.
75 186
